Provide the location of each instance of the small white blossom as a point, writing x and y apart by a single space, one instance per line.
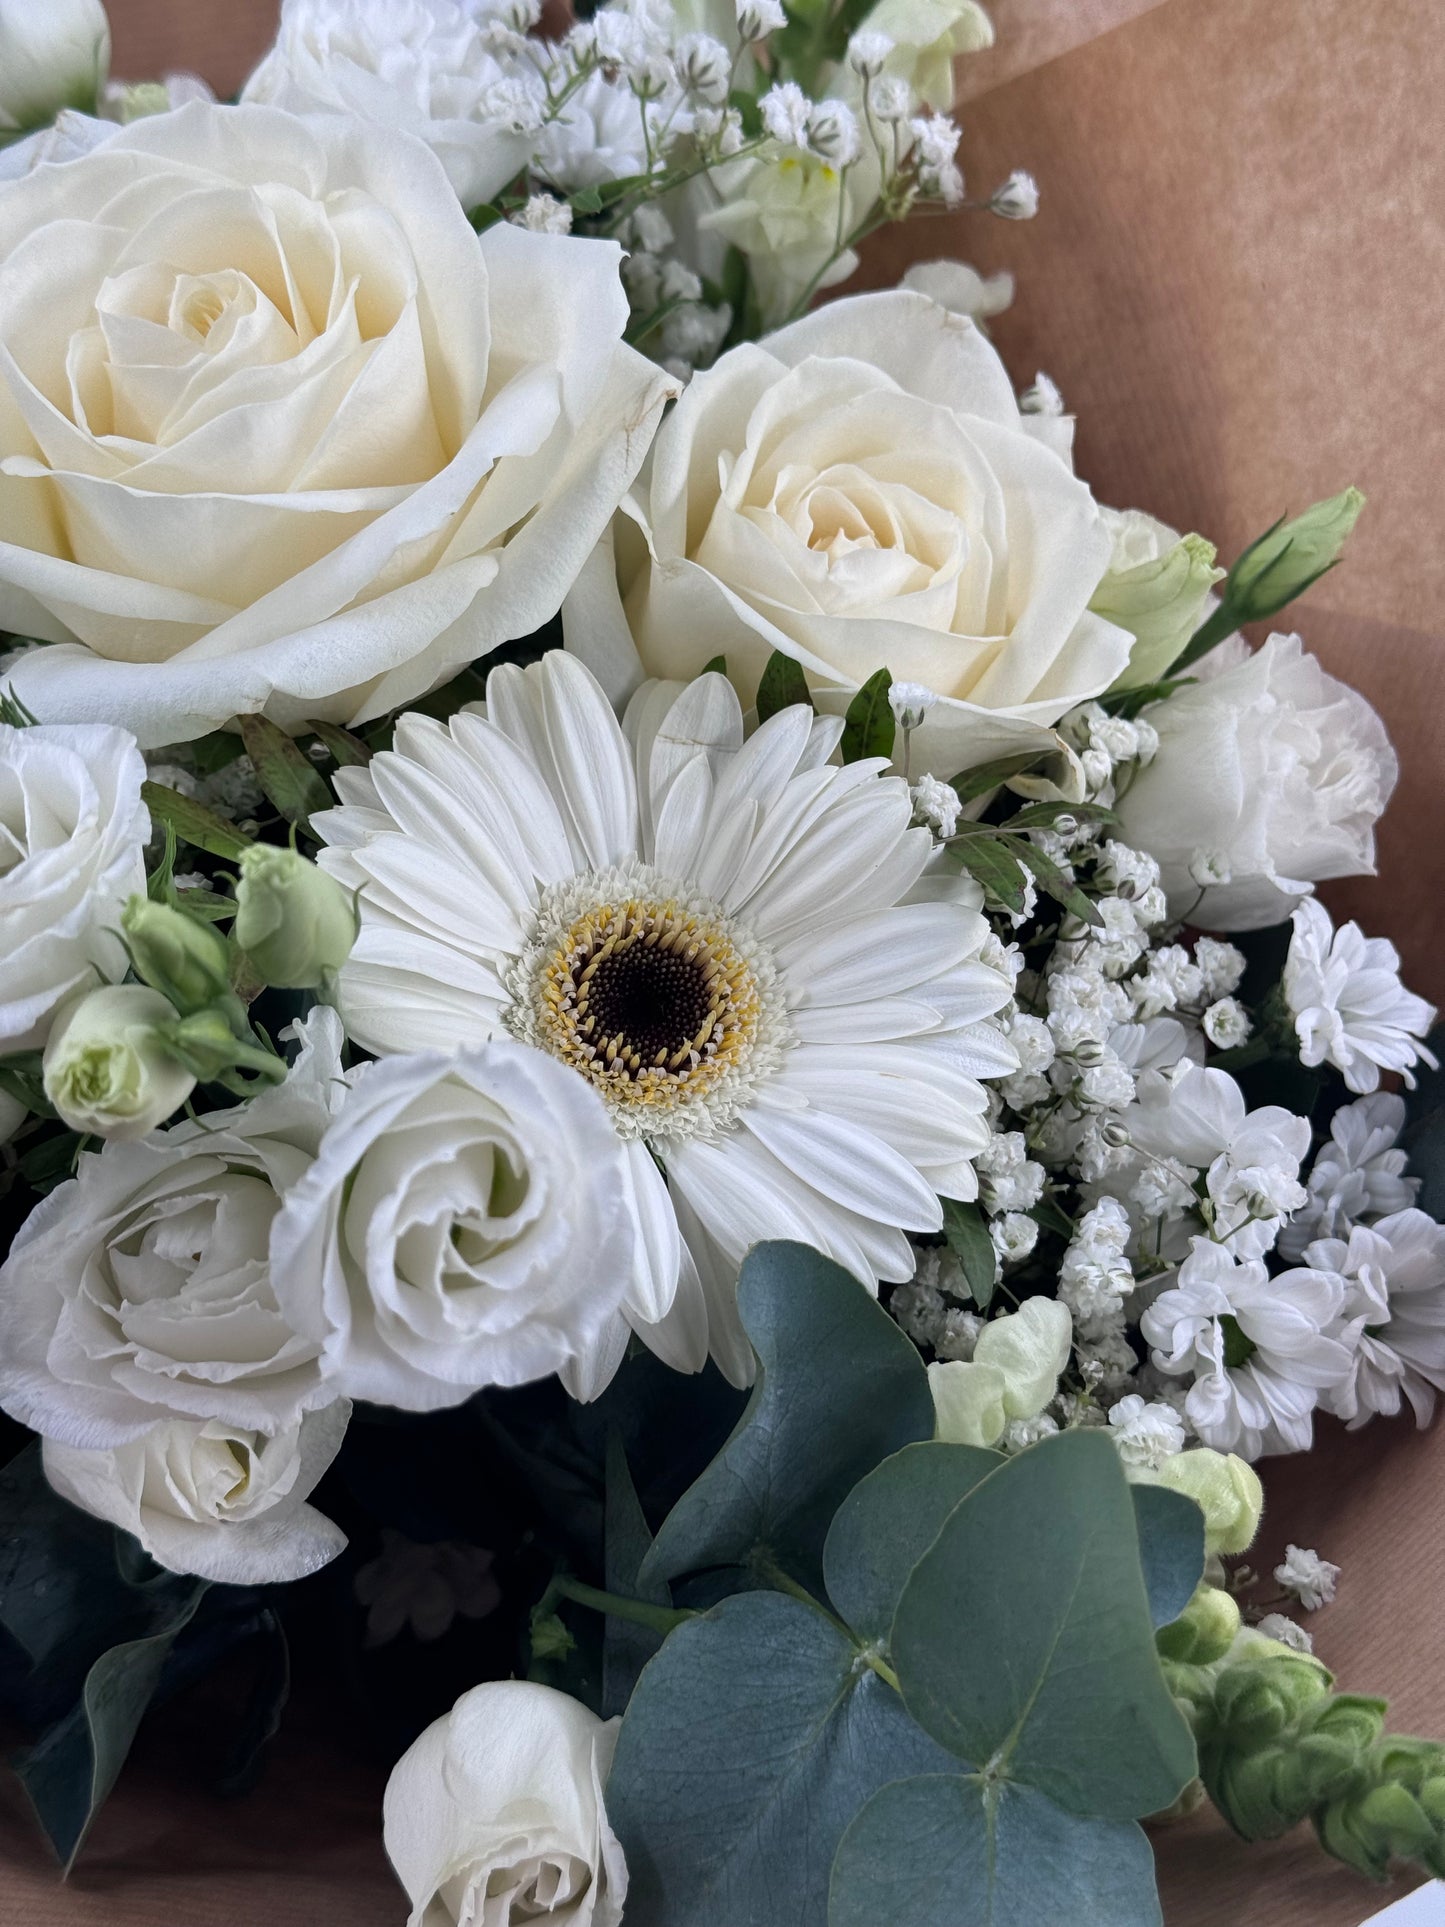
1032 1039
1017 199
1107 1085
1146 1433
1349 1006
936 806
1226 1023
785 109
867 52
694 333
758 18
936 141
678 282
1020 1433
1014 1236
1277 1626
919 1309
1128 873
718 130
1008 1180
704 67
1210 867
1221 965
424 1587
1310 1578
1357 1175
957 1335
544 214
833 133
1107 1362
892 99
1148 741
518 102
910 703
1044 398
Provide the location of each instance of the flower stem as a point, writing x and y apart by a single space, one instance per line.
661 1619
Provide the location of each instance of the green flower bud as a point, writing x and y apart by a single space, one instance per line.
107 1070
1156 588
183 958
1226 1490
968 1402
1283 563
293 921
1257 1699
1204 1631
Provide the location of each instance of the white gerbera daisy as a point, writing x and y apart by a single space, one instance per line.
732 941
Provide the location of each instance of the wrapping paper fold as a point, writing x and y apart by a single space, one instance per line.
1236 280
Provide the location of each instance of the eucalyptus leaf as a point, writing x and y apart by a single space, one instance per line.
626 1647
751 1741
193 823
949 1851
1062 1689
1171 1548
839 1388
968 1240
1424 1133
285 772
781 686
869 728
888 1521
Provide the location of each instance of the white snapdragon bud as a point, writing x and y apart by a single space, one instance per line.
833 133
1226 1023
544 214
867 52
758 18
936 806
785 110
105 1070
893 99
1209 868
704 67
910 703
1017 199
1044 398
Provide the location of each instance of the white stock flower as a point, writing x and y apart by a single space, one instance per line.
1392 1274
495 1815
225 1503
1310 1578
416 66
717 935
1349 1007
1259 1349
861 489
142 1289
1271 765
319 446
105 1072
73 831
464 1223
53 54
1358 1174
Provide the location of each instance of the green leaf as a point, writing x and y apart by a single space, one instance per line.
839 1389
781 686
987 859
627 1647
285 772
214 752
718 666
347 751
209 905
1052 880
944 1851
973 783
751 1741
50 1162
22 1077
1050 1215
869 727
1171 1548
193 823
1062 1689
1041 816
888 1521
1424 1133
968 1240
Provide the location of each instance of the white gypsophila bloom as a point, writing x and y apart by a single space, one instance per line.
1127 872
420 67
1017 199
220 1501
1226 1023
1359 1173
784 110
961 289
1106 1084
1107 1362
833 133
1151 908
1392 1274
1095 1276
1210 868
1170 980
332 445
1278 1626
704 67
1147 1432
1007 1178
496 1814
467 1221
1258 1349
1020 1433
649 228
52 56
892 99
142 1290
699 927
956 1337
424 1588
936 806
73 832
1014 1236
597 136
1310 1578
1272 764
756 18
544 214
919 1309
1032 1039
1221 966
1042 397
867 51
1115 944
910 703
1349 1007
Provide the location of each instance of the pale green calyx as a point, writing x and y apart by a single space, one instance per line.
1156 590
108 1070
186 960
1283 563
295 923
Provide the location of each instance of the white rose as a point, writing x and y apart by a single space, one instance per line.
141 1289
1271 765
421 66
861 491
212 1499
495 1814
465 1224
318 446
73 831
53 54
105 1071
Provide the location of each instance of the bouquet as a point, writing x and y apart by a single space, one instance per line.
677 1111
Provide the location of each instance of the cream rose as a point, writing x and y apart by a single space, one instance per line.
278 432
861 491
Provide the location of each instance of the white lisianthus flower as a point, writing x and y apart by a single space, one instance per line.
141 1290
1392 1274
1349 1007
53 54
319 445
1358 1174
496 1814
1259 1349
207 1498
860 489
465 1223
73 832
105 1071
718 936
1272 766
422 67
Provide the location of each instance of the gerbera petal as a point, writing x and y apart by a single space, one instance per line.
591 758
875 956
847 1163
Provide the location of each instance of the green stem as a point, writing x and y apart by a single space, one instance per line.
660 1619
768 1568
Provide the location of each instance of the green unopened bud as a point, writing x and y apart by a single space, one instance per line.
1283 563
293 921
209 1045
1156 588
1257 1699
108 1070
183 958
1204 1631
1226 1490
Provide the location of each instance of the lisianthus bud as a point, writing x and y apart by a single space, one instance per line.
183 958
1204 1631
1156 589
106 1070
1283 563
1226 1490
293 921
53 54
